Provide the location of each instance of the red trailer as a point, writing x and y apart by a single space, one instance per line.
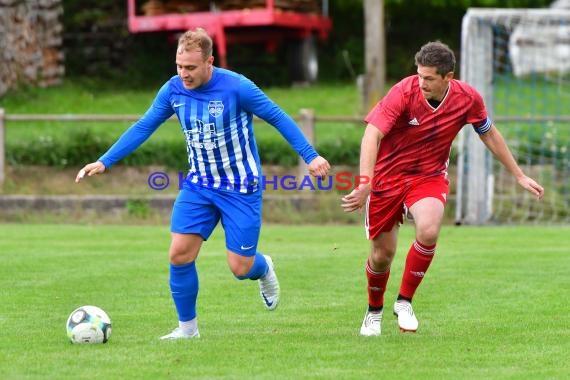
298 23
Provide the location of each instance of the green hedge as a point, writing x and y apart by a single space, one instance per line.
83 146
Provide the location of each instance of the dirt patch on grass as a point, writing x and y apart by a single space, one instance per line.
124 194
132 180
124 180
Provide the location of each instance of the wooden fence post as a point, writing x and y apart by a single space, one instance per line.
2 149
307 125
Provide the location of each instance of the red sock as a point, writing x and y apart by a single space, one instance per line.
376 286
417 263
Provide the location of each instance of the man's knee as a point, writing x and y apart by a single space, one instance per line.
179 256
381 257
184 248
427 234
239 265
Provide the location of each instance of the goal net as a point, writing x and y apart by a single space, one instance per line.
519 60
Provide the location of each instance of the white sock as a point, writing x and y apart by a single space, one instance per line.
189 327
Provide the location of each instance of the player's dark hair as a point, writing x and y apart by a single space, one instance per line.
436 54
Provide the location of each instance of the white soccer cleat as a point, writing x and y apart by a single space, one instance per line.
372 323
178 333
406 318
269 286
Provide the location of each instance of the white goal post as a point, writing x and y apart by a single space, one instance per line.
519 60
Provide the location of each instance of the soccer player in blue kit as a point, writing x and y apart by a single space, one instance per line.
215 108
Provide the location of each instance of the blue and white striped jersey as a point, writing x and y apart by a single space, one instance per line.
217 123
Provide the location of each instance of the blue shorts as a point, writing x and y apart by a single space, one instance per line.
198 210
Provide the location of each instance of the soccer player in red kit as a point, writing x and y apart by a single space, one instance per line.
405 150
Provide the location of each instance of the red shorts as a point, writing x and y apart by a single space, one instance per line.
386 207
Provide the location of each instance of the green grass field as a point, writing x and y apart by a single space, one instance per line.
492 306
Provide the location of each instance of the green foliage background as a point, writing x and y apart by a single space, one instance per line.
107 67
98 43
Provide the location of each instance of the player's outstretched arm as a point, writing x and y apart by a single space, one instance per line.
319 167
497 145
93 168
368 154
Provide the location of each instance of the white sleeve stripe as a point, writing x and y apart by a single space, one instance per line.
484 128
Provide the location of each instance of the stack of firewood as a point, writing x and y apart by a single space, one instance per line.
305 6
30 43
159 7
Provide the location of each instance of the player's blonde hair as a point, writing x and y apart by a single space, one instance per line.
197 38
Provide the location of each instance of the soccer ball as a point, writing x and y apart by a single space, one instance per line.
88 324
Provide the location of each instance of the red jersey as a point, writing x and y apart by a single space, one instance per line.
417 137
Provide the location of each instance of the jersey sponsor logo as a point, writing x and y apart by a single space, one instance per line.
414 121
203 145
215 107
202 136
205 128
176 105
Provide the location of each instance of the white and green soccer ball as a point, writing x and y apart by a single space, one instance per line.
88 324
